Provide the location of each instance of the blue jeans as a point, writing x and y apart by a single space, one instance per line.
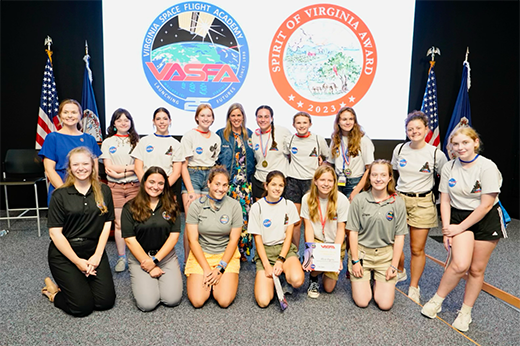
349 186
199 180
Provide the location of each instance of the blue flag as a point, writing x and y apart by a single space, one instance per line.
462 112
90 121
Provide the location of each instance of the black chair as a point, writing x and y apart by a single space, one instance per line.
22 167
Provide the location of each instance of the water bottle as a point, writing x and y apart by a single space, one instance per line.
3 232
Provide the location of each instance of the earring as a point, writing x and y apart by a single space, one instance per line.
115 129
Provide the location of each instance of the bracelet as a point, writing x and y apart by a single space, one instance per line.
191 192
356 261
222 269
281 258
394 268
222 264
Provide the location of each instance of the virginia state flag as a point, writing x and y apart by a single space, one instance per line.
90 121
462 112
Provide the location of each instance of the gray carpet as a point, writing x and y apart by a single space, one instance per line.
27 318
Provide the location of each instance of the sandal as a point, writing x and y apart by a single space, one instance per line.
50 289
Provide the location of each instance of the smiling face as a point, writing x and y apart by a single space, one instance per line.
154 185
264 119
204 119
218 186
302 124
236 118
80 166
379 177
416 130
122 125
325 183
346 122
162 123
70 115
275 188
464 146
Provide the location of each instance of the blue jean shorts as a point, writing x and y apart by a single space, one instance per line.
199 180
349 186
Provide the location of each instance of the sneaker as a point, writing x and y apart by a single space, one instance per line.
431 308
314 290
120 265
462 321
414 293
402 276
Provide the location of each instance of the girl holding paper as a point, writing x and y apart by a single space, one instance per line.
324 213
377 225
271 222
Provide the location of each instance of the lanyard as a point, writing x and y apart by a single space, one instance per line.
344 153
264 151
323 220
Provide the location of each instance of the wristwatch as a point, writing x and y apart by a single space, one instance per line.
155 260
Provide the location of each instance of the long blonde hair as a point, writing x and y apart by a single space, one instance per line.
94 181
314 196
390 187
354 136
227 129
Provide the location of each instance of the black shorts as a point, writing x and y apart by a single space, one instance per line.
490 227
296 188
258 188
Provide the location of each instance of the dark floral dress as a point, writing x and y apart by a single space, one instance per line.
240 190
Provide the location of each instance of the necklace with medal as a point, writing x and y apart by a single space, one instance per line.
264 151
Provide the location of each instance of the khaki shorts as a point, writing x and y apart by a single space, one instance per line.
272 252
334 275
421 211
193 267
377 260
123 192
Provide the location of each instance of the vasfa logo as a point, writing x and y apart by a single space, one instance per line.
323 57
195 53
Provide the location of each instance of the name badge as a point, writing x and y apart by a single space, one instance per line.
342 180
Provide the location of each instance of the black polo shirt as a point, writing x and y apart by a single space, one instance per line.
152 233
78 214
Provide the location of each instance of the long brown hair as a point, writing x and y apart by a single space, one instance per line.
140 205
132 133
312 202
227 129
270 176
354 136
273 144
93 178
390 187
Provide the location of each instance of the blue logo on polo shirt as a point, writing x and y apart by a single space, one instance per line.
149 148
402 162
294 150
112 150
390 216
257 146
452 182
267 223
198 150
224 219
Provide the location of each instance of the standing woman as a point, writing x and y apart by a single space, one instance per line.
377 225
80 215
417 162
58 144
119 167
306 153
151 227
201 149
351 151
213 225
272 222
159 149
325 212
268 149
238 157
471 222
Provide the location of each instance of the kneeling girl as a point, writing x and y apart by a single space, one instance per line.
271 222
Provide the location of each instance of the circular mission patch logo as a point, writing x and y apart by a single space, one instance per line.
194 53
323 57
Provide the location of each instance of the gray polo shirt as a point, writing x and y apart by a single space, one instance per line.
214 226
377 223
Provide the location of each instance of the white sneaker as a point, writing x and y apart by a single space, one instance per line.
415 294
314 290
402 276
431 308
462 321
120 265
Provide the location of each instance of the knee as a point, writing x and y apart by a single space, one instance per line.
197 302
172 301
226 301
384 305
362 303
417 251
83 309
476 272
296 280
106 303
263 301
459 267
146 306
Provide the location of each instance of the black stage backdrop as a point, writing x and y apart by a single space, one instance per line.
489 28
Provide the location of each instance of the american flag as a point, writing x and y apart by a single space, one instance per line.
48 120
429 107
